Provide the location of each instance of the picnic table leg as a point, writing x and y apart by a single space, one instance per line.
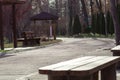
109 73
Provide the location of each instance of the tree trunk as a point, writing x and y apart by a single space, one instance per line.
99 5
115 21
70 16
74 9
85 12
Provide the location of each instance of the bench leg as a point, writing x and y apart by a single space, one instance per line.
109 73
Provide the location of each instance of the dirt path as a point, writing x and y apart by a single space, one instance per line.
23 65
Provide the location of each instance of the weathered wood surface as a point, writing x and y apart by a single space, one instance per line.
116 49
83 68
86 65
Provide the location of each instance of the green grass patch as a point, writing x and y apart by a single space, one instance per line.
91 35
4 50
50 42
42 43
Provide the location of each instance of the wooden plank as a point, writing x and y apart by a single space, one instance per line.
44 70
94 66
21 39
65 66
76 64
117 48
65 69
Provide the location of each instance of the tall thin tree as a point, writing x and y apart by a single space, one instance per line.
84 11
114 13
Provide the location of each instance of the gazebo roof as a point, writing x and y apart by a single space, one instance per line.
44 16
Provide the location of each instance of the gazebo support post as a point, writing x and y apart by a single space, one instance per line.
54 29
1 28
14 26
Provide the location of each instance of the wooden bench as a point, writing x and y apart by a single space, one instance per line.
29 39
83 68
116 50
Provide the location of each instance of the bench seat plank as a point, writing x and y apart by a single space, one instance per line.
20 39
116 48
93 65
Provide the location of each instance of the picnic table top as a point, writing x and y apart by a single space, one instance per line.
82 65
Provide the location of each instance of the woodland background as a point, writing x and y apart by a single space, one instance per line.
75 17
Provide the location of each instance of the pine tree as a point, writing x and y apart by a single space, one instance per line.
93 25
115 18
76 25
98 28
102 24
110 25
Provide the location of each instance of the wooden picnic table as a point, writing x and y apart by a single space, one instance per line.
116 50
29 38
83 68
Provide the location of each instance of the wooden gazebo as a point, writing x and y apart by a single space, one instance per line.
47 16
12 3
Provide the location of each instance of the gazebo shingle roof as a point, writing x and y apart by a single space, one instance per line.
44 16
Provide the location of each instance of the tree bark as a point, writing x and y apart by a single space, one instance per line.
85 12
74 9
70 16
1 28
114 13
99 5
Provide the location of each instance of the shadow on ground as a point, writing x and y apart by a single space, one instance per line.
6 55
